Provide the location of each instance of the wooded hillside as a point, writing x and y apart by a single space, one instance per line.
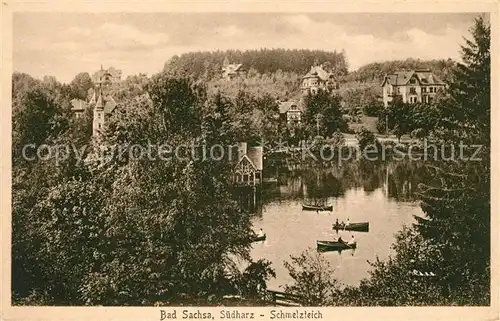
209 64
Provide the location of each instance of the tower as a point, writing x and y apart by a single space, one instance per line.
102 102
98 119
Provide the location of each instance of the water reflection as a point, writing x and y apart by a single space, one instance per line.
382 193
398 179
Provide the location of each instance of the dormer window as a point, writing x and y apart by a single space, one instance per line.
413 81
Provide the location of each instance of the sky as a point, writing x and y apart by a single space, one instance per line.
65 44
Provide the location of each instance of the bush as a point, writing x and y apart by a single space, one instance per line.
313 278
373 108
367 138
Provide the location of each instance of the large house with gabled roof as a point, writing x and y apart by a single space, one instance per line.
317 78
415 86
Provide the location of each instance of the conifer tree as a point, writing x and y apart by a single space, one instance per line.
457 202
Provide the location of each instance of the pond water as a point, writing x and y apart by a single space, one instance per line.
381 194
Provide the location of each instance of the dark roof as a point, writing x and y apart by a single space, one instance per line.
401 78
107 103
110 105
318 72
99 103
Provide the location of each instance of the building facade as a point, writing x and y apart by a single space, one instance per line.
291 112
317 78
78 107
248 170
417 86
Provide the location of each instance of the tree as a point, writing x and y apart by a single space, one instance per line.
470 90
400 117
36 118
367 141
80 85
179 101
396 281
313 278
217 123
457 202
122 229
323 113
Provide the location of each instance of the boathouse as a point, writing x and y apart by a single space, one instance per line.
248 169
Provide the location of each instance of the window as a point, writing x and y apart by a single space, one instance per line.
397 90
412 90
413 81
424 89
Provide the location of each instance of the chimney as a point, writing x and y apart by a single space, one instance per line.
256 156
242 149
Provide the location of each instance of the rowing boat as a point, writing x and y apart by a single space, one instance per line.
259 238
324 246
359 227
306 207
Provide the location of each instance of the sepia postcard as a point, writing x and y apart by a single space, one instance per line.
249 161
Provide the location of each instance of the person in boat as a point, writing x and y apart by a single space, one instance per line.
261 233
337 223
340 240
347 223
352 241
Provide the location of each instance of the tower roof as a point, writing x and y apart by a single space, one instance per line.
109 105
99 103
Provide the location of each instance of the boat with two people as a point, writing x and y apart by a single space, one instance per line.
339 245
356 227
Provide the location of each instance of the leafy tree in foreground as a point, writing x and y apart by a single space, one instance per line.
130 229
313 278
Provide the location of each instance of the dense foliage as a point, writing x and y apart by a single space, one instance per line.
323 115
375 72
417 119
457 203
109 227
313 278
299 61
